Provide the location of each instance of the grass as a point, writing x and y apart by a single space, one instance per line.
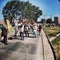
56 45
56 41
51 31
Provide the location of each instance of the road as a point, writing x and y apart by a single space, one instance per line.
28 49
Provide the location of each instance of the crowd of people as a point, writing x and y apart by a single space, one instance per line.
25 28
22 29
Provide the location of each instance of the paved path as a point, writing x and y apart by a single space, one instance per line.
52 38
30 49
48 55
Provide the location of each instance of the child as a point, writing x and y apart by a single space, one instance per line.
39 29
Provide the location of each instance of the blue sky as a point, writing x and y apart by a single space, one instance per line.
49 8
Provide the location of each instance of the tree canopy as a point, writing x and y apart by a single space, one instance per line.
49 20
16 9
42 20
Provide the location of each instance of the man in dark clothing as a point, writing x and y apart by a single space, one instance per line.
4 34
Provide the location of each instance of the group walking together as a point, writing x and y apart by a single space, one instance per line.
21 29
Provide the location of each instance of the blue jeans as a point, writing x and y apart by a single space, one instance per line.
35 33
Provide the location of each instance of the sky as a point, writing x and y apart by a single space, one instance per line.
50 8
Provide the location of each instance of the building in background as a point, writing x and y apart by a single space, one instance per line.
57 21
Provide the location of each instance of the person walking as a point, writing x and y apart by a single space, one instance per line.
26 29
39 29
16 27
4 34
35 28
22 32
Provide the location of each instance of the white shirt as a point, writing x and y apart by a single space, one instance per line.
22 28
35 28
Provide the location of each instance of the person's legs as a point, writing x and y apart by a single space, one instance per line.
27 34
36 33
39 31
22 36
5 40
15 33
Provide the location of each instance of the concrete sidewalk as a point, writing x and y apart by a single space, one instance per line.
30 49
48 54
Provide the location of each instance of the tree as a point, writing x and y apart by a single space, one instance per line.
16 9
42 21
11 10
49 20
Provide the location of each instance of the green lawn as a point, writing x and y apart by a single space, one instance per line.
56 41
56 45
51 31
